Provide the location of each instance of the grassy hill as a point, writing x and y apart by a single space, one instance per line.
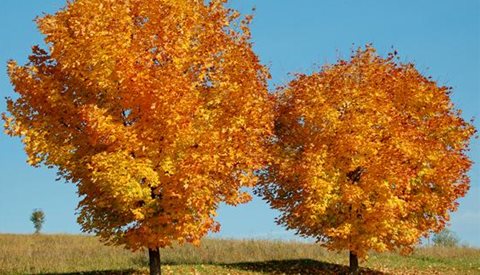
66 254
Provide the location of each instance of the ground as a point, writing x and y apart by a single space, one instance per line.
73 254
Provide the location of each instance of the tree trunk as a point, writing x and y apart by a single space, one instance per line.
154 258
353 263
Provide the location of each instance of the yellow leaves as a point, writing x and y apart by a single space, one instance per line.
47 23
138 214
342 231
11 66
9 125
168 166
239 121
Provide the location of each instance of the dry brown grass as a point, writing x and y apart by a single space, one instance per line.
21 254
61 253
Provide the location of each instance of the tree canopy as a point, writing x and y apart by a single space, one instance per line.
369 155
37 218
157 110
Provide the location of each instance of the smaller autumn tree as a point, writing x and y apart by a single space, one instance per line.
368 155
37 218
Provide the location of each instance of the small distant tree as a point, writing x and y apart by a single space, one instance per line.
446 238
37 218
368 155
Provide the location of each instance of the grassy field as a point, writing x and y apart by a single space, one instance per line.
72 254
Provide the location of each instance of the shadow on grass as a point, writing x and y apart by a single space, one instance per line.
102 272
302 266
287 267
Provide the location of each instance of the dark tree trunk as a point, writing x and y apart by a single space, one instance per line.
353 263
154 258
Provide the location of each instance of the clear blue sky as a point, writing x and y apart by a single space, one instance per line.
441 37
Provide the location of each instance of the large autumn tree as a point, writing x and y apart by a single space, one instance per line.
368 155
157 110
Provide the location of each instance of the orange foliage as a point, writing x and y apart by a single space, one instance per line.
369 155
157 110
